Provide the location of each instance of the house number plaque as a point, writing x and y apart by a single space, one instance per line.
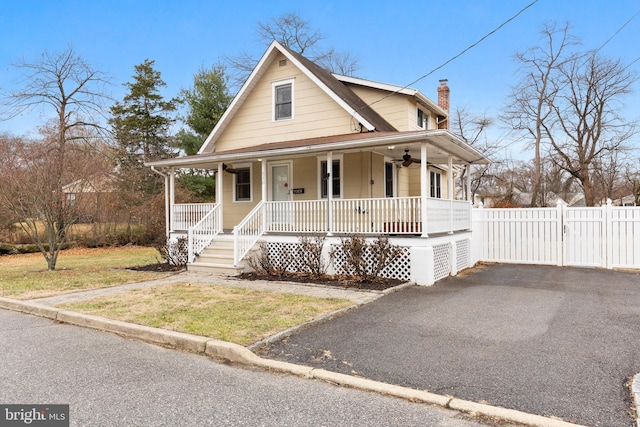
298 191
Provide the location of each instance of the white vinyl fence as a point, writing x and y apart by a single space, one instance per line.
607 236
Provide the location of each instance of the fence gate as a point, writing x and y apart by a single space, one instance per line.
607 236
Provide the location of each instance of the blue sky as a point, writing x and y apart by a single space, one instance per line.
395 42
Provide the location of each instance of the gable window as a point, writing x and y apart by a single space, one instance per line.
283 100
242 184
421 120
388 179
334 178
435 184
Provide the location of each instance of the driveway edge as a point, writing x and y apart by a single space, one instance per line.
240 354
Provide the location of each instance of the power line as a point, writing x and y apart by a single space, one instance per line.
617 31
459 54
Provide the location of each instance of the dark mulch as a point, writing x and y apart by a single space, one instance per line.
338 281
157 267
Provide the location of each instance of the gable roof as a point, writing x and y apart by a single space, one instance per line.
326 81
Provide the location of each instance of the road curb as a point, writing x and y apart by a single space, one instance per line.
239 354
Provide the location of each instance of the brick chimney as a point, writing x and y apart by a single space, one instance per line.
443 102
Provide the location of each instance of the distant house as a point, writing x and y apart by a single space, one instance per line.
94 197
303 151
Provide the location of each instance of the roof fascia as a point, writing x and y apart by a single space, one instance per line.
238 100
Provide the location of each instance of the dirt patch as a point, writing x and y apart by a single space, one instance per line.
338 281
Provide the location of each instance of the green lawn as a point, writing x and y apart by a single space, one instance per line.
26 276
238 315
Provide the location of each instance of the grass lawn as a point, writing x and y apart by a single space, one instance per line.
238 315
26 276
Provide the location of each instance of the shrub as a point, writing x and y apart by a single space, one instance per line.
175 252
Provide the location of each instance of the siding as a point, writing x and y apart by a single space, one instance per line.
315 113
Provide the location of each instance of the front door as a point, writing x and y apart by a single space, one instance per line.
280 192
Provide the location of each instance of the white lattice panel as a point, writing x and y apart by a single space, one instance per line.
284 256
441 261
463 254
400 269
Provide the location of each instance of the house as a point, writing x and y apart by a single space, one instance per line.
303 151
92 196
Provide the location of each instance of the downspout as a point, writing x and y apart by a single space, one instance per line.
166 200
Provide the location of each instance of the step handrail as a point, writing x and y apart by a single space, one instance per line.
248 231
203 232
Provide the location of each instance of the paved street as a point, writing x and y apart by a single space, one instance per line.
544 340
112 381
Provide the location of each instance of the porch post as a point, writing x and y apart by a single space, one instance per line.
264 179
423 188
219 196
451 190
468 167
172 196
329 193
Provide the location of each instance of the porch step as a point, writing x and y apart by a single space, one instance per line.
217 258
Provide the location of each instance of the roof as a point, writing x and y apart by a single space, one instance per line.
441 144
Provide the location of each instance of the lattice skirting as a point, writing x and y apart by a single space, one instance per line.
463 254
400 269
441 261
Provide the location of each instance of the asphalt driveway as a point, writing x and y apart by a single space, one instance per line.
545 340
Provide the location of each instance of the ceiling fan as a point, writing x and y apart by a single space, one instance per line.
407 160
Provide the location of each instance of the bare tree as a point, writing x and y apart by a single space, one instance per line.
65 83
297 34
530 100
586 124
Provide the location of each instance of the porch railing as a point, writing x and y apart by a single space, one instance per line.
399 215
185 215
202 232
247 233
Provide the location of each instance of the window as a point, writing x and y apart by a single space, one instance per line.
283 101
388 179
335 178
242 184
422 119
435 180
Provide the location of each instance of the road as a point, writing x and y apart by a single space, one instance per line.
111 381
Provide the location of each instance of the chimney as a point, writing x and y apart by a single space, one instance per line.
443 102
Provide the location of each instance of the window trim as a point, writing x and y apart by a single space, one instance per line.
335 158
274 86
425 118
235 182
394 177
435 189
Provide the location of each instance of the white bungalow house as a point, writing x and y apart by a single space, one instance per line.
303 151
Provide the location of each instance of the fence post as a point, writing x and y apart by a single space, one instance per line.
560 206
607 236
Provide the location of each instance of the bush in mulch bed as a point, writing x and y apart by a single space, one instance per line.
338 281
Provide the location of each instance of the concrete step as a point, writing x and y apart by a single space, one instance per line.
211 267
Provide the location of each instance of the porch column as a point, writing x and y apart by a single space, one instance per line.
468 167
219 195
424 184
172 197
264 179
450 178
329 193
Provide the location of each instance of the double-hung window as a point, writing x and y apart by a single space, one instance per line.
242 184
334 178
283 100
421 119
435 184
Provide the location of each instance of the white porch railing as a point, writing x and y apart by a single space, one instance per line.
186 215
202 232
398 215
247 233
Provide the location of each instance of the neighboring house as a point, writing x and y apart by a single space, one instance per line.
303 151
94 197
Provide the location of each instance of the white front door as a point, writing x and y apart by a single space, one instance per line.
280 191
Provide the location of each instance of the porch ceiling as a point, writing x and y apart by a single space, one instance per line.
440 145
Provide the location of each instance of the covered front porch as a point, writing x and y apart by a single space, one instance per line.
296 192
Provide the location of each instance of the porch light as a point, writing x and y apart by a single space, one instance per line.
391 147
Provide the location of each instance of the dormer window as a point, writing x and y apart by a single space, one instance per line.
422 119
283 100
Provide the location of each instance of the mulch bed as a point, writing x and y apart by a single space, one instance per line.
338 281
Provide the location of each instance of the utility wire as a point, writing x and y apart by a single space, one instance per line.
458 55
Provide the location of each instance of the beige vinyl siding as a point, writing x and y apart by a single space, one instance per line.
403 182
305 175
315 114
